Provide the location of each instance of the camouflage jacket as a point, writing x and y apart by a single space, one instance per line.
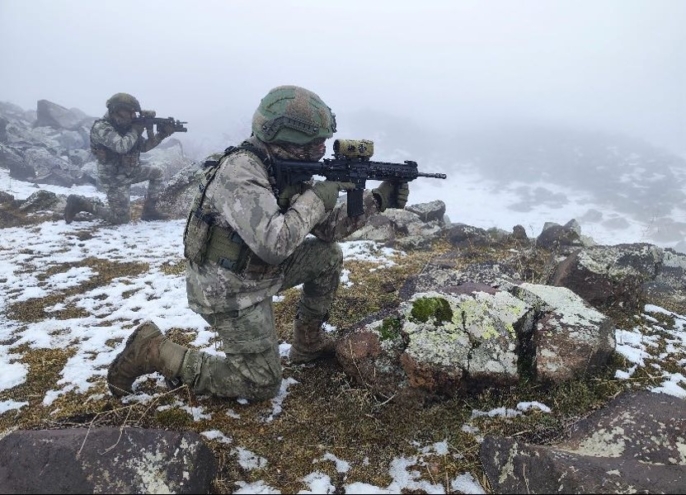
117 153
241 196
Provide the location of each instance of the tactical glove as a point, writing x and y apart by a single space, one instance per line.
165 129
138 128
391 195
328 192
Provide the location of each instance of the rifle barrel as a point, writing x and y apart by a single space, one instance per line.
435 176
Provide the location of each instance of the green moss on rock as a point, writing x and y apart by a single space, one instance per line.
426 308
390 328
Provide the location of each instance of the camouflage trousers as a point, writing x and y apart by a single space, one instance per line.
118 189
251 368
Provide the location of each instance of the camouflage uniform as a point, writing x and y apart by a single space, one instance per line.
246 241
239 306
118 156
117 145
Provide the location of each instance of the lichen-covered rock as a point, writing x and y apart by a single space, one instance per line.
636 444
473 331
473 335
570 336
563 238
624 276
403 229
43 201
608 276
427 212
105 460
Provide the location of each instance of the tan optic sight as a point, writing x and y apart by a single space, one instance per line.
353 148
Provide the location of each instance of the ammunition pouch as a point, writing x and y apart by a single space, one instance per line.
196 236
227 249
206 242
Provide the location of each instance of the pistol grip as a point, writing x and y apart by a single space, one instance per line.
355 202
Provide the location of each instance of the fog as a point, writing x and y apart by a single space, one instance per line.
613 65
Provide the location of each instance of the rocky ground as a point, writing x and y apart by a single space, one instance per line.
326 420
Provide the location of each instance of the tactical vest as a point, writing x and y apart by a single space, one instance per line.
205 241
126 162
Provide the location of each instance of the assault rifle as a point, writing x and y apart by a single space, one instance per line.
351 163
148 118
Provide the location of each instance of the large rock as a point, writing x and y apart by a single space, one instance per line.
105 460
427 212
636 444
560 238
12 160
43 201
53 115
178 194
623 276
412 228
465 236
569 336
50 150
51 169
462 337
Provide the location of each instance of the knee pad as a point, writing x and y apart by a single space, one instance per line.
265 392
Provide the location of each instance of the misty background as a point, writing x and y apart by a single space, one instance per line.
447 66
556 104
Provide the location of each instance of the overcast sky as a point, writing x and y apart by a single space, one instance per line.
610 64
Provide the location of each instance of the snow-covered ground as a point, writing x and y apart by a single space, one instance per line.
111 309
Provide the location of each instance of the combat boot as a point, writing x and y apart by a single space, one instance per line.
150 213
310 342
147 350
75 204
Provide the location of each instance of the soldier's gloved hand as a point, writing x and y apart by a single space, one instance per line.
391 195
328 192
138 128
166 129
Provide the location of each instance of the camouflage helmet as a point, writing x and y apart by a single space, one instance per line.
292 114
124 100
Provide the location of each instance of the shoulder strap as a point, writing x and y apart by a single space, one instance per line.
211 167
244 146
261 155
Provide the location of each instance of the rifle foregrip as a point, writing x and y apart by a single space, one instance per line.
355 202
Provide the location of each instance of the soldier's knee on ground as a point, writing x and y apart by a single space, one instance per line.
263 375
156 173
265 391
